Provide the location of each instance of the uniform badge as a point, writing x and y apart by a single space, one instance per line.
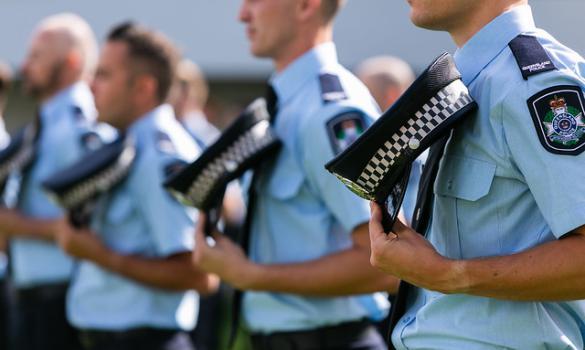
557 113
344 129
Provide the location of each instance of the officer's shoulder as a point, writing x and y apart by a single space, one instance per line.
172 145
553 91
337 85
344 104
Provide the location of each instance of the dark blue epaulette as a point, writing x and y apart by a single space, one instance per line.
331 89
531 57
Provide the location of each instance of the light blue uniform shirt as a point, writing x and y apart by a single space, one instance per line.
65 119
409 202
302 212
500 192
140 218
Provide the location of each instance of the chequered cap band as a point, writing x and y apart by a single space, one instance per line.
439 108
101 181
23 156
248 144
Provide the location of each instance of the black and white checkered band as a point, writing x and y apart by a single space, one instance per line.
439 108
101 181
248 144
23 156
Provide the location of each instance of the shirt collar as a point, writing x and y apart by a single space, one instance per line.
310 64
161 115
486 44
76 95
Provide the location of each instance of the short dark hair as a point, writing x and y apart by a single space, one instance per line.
157 54
330 8
5 82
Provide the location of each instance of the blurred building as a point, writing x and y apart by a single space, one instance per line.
208 33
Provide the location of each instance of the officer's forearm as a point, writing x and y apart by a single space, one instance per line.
346 272
340 274
173 273
551 271
14 224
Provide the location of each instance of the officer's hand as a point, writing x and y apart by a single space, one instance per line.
80 244
405 254
221 256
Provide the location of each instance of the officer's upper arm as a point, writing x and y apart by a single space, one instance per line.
170 223
323 139
545 132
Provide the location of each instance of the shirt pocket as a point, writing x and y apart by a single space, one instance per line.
287 178
466 215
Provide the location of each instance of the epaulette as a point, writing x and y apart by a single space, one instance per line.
331 89
531 57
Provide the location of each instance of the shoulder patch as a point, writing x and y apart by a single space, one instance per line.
345 128
164 143
530 56
331 89
90 141
557 113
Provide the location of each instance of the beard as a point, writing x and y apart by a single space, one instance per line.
46 87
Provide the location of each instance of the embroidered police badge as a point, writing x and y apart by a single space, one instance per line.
557 113
344 129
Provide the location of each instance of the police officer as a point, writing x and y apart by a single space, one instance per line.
188 97
308 281
503 264
61 57
134 285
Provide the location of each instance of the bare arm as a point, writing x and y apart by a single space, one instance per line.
174 273
15 224
550 271
346 272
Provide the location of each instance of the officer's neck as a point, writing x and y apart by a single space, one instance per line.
300 45
55 88
137 113
463 29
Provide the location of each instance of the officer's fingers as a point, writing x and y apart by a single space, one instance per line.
201 223
375 226
399 226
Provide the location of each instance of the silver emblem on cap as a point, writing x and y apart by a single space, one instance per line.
414 143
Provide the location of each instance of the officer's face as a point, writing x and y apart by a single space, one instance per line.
441 14
270 25
43 66
112 86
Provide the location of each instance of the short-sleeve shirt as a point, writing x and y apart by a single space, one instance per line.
302 212
65 120
139 217
500 191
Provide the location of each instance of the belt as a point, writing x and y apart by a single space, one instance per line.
46 291
91 337
329 337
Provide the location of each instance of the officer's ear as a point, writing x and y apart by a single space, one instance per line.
308 9
73 61
145 87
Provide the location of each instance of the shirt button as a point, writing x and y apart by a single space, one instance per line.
406 319
450 184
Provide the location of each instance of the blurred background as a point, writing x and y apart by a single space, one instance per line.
209 33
